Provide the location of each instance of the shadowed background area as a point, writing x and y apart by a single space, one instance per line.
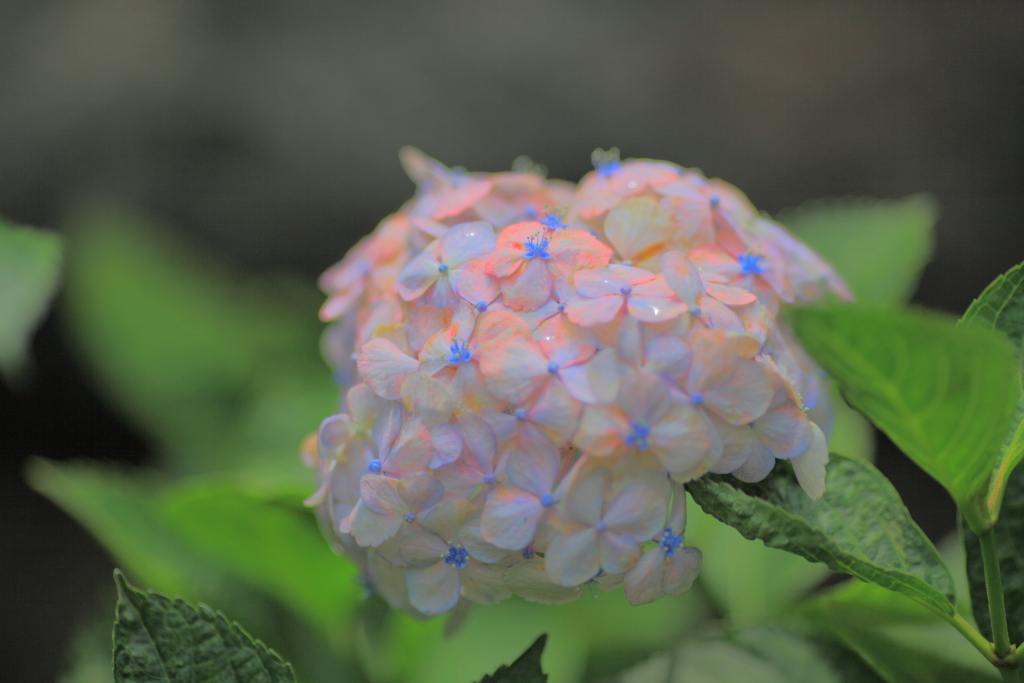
267 133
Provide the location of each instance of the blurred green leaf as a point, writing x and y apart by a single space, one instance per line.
526 669
274 547
157 639
859 526
225 374
1009 532
1001 307
187 538
763 653
879 246
748 580
900 639
944 395
120 514
30 263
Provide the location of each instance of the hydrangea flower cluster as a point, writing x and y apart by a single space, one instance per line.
534 370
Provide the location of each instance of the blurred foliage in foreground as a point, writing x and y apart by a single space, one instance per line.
224 374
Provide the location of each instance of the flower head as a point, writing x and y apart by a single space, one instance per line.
533 387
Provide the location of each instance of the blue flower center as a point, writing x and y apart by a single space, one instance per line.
521 414
625 290
698 399
669 542
553 367
488 478
606 163
750 264
443 268
459 353
547 500
481 306
531 211
695 311
528 553
410 517
553 221
375 466
537 248
561 307
638 436
601 526
714 201
457 557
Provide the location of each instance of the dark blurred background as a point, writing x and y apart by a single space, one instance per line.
266 133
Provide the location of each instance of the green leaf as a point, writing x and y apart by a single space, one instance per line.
879 246
30 262
747 580
120 514
858 527
1001 307
526 669
901 640
944 395
157 639
274 547
764 653
182 537
225 373
1009 531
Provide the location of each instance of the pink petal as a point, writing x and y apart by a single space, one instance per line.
434 589
644 397
380 495
418 276
516 370
598 282
420 491
384 367
479 439
577 382
529 580
656 288
590 312
757 466
636 225
739 444
585 497
469 395
579 249
563 342
733 296
427 398
685 443
483 583
369 528
682 570
682 276
467 242
654 310
510 517
528 288
667 355
510 249
601 431
604 374
573 558
446 444
640 507
618 552
643 580
421 549
786 431
474 284
744 396
534 471
810 465
556 412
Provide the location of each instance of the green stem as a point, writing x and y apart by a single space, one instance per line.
969 632
1009 675
1017 658
994 588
